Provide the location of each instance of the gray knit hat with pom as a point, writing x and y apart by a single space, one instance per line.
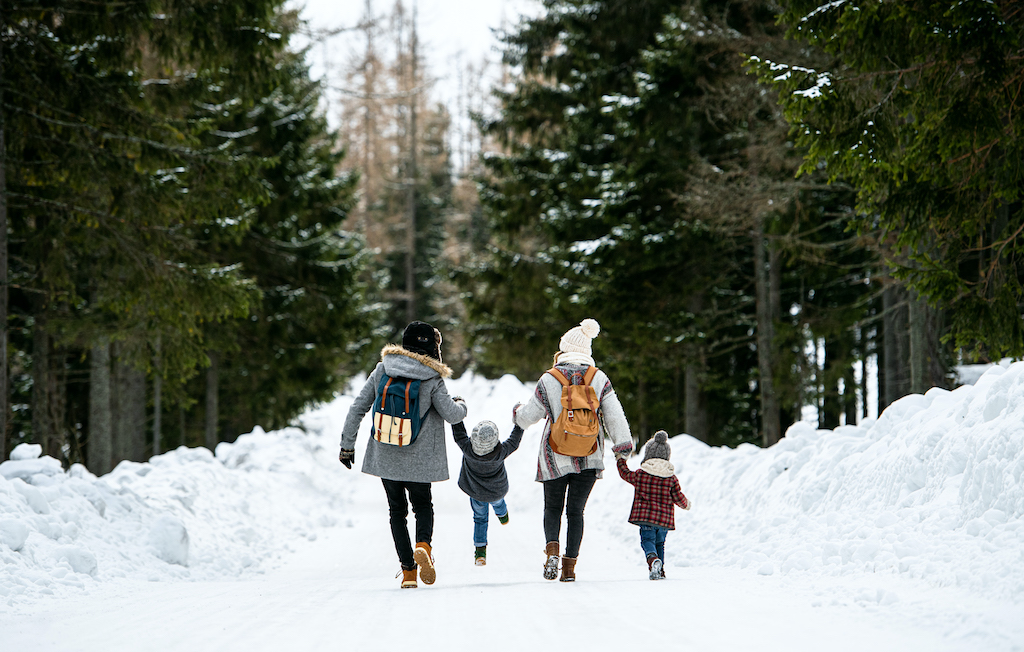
658 447
484 437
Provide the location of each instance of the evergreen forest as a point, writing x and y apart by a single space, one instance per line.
776 210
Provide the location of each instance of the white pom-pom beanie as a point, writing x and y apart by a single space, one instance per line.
577 339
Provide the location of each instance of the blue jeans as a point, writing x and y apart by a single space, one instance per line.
480 515
652 540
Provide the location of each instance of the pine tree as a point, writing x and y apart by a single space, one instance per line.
917 109
307 331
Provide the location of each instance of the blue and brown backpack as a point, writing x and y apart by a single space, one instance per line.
396 411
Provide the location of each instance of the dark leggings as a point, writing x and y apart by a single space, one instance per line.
422 508
578 486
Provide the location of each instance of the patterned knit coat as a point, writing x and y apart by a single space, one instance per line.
656 493
546 403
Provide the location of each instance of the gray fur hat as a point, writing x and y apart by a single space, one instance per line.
484 437
658 447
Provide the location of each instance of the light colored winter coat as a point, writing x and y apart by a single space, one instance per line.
546 403
424 460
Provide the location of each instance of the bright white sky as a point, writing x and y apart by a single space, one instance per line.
449 30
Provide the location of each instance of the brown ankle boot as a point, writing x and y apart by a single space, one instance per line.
425 560
568 570
409 579
551 562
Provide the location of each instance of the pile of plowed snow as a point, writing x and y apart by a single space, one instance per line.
186 514
931 490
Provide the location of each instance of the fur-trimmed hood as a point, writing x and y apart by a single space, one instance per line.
659 467
400 367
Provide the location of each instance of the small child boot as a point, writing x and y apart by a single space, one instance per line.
409 578
480 556
568 570
426 562
654 566
503 519
551 563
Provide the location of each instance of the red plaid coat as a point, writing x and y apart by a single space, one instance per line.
654 498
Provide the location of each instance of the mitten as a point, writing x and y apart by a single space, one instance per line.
688 505
347 457
515 409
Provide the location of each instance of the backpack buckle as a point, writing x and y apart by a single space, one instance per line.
570 415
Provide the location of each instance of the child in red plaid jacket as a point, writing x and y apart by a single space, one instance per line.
656 493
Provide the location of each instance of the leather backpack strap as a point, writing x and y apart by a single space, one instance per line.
587 379
558 376
384 394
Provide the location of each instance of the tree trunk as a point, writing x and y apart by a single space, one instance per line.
676 396
696 424
410 227
128 408
101 438
897 349
880 358
850 395
641 402
44 430
830 404
765 337
694 397
937 367
918 322
136 413
4 391
158 381
211 402
181 419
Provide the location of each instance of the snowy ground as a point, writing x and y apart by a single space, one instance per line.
901 534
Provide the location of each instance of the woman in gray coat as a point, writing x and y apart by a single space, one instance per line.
408 470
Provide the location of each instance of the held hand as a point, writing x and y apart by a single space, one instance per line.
347 457
688 505
515 409
459 399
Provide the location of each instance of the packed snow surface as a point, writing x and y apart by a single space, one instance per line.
915 517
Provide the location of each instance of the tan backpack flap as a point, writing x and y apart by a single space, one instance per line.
575 431
393 429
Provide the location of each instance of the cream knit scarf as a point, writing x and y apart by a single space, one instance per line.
575 358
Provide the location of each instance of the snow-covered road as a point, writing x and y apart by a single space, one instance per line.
905 534
339 592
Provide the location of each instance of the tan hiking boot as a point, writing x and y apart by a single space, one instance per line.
409 579
568 570
551 563
425 560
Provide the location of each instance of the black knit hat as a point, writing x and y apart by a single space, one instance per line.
421 337
658 447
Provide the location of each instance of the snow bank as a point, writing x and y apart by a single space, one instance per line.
931 490
186 514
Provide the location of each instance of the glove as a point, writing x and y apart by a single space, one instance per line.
621 455
459 399
688 505
347 457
